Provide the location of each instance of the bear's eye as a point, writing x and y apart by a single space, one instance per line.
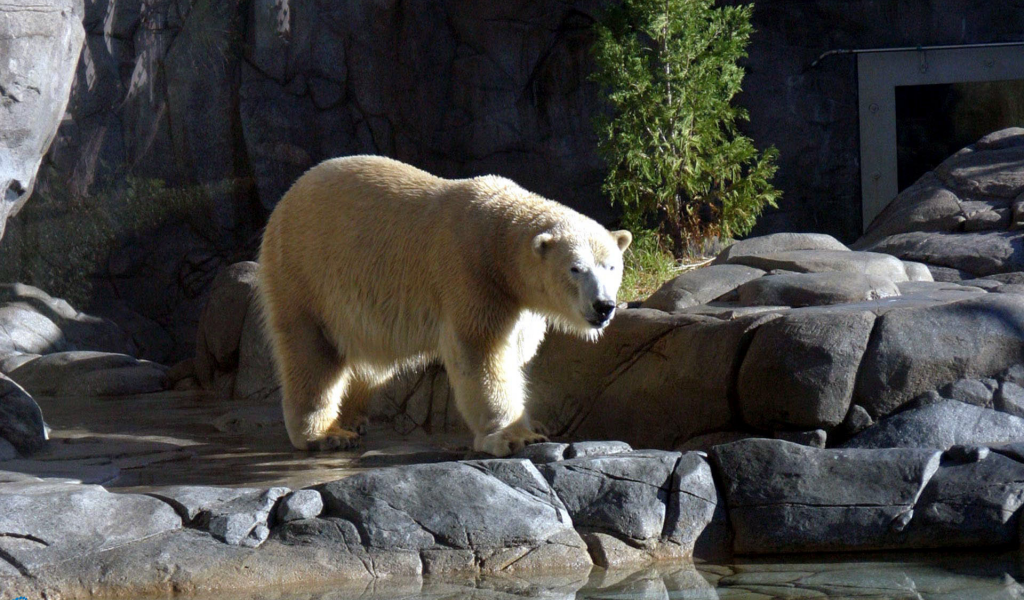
575 270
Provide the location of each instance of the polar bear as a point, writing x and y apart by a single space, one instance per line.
369 265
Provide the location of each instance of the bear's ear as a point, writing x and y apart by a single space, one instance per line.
623 239
542 243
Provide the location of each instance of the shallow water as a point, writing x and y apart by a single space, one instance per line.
931 576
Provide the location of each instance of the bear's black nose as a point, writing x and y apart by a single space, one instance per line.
604 308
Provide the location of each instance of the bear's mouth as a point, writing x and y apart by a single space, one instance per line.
599 323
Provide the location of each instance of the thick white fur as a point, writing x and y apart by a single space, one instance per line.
369 264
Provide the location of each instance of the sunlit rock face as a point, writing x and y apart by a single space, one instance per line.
39 47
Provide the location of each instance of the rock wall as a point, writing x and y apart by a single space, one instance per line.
810 113
226 103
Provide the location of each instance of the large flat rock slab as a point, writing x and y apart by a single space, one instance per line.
46 523
778 242
90 374
977 253
783 497
818 261
941 425
815 289
969 505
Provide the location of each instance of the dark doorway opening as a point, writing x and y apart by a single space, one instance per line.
934 121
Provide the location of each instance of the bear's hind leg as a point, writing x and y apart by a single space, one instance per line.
489 391
314 377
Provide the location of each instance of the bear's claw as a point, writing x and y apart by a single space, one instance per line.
508 441
335 439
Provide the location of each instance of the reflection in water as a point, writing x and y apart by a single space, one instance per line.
923 576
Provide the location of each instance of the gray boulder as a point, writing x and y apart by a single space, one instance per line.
818 261
972 254
979 392
778 242
40 44
963 218
927 205
941 425
696 517
222 321
700 286
303 504
47 523
815 289
33 322
653 380
89 373
918 271
21 420
915 350
785 497
256 377
972 504
1009 399
624 494
438 508
800 369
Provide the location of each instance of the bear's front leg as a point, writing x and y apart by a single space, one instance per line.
490 394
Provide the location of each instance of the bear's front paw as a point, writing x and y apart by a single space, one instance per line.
334 438
507 441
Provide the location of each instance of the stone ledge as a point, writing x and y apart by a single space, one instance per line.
508 517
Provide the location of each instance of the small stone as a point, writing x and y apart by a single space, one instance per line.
901 521
815 438
917 271
303 504
1010 399
856 421
598 448
232 528
257 536
543 453
1013 374
978 392
1017 214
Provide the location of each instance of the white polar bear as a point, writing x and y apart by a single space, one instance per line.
369 265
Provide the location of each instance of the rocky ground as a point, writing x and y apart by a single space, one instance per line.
795 396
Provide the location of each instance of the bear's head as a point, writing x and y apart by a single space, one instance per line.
581 269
